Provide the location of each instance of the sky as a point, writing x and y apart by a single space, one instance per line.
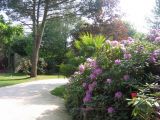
136 12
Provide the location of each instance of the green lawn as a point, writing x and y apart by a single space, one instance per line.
11 79
59 91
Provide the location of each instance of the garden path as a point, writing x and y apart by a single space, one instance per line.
32 101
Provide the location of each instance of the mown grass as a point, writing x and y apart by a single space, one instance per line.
59 91
11 79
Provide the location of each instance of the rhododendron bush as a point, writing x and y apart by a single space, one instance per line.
100 87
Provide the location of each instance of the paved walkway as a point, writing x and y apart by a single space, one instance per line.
32 101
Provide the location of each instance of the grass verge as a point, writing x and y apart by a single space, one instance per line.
11 79
59 91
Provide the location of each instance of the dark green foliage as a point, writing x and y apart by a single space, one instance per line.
146 105
54 42
87 46
19 47
8 31
40 11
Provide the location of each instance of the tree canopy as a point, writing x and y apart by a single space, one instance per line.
7 31
39 11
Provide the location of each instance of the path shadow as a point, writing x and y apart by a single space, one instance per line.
23 91
57 114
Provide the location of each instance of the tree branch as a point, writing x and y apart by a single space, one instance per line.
38 12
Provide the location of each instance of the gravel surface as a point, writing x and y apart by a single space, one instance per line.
32 101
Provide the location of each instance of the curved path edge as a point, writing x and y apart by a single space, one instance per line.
32 101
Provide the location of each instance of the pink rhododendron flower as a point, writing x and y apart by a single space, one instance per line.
123 48
153 31
108 42
93 76
152 59
109 81
117 62
89 60
124 42
154 36
88 92
76 73
156 53
130 39
85 85
118 95
81 68
114 43
110 110
97 71
154 56
88 97
127 56
157 40
126 77
92 86
92 63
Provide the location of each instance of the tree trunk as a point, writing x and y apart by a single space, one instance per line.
34 61
35 55
38 30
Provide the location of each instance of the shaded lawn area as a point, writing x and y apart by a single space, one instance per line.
59 91
11 79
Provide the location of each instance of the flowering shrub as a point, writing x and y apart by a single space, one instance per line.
25 66
100 87
154 36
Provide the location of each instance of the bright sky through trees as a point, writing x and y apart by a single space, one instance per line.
136 12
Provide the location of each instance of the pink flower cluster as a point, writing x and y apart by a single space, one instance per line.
126 77
117 61
110 110
108 81
81 69
88 97
91 63
96 72
113 43
154 36
154 56
89 89
128 41
127 56
118 94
